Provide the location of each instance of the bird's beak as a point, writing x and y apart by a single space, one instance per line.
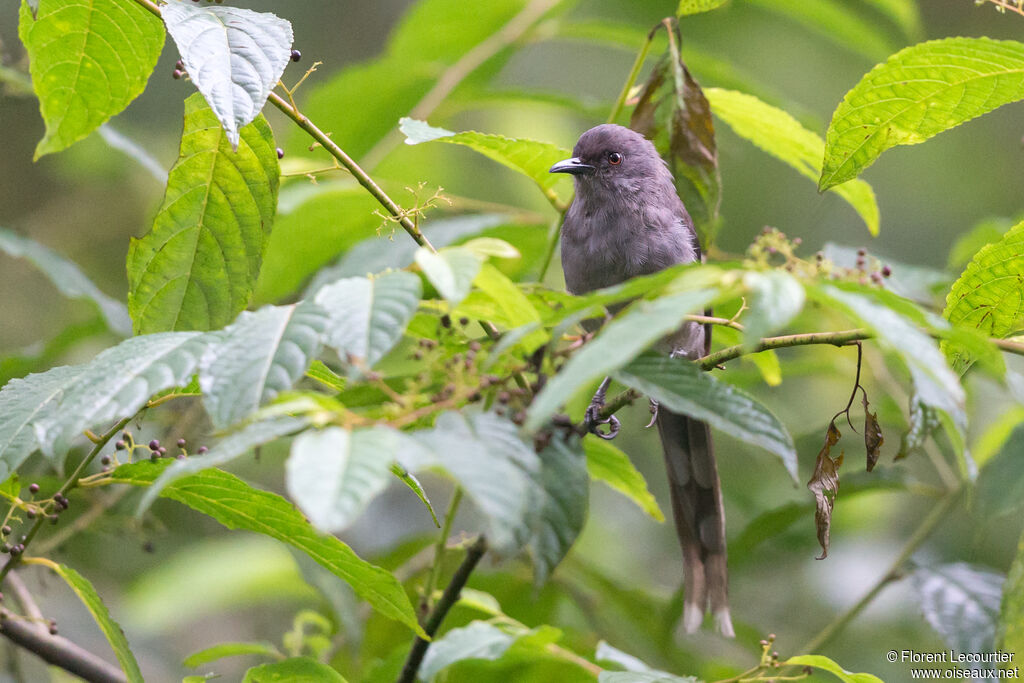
573 166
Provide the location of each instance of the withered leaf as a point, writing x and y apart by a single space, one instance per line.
673 112
873 438
824 484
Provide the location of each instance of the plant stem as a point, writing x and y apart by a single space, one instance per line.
920 535
439 552
840 338
440 611
71 483
57 650
634 73
554 234
1012 5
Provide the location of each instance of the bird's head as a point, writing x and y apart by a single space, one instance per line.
612 157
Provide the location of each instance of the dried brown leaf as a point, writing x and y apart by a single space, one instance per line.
673 112
873 438
824 484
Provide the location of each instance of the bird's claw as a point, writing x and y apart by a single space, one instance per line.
654 414
592 421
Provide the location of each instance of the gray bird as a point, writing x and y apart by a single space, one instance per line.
627 220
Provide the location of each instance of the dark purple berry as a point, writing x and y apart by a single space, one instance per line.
154 445
53 518
105 460
180 456
162 450
30 513
177 74
446 321
181 443
463 321
179 65
148 547
15 550
862 252
33 488
280 153
202 449
120 445
886 271
154 456
296 55
6 530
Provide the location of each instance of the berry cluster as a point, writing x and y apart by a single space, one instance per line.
772 248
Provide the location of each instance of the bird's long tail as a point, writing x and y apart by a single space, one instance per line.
699 516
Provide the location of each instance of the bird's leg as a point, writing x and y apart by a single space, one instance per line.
654 413
592 418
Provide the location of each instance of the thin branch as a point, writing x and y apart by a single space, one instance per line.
1003 5
634 73
71 483
19 590
439 551
841 338
447 601
920 535
57 650
457 72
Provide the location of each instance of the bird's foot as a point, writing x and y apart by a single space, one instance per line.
654 414
592 419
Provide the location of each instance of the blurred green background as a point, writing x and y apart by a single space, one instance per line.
87 202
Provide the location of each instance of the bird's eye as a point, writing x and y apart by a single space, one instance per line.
614 158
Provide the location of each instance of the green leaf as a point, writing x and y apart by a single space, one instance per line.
116 384
67 278
776 298
294 670
988 297
451 270
334 473
367 317
416 487
516 309
996 434
222 650
24 402
616 344
672 111
606 653
88 60
936 385
234 57
681 386
904 13
961 602
777 133
531 158
485 454
1011 613
826 664
565 488
257 357
971 242
236 505
642 677
233 446
605 462
481 640
917 93
197 267
835 21
697 6
91 599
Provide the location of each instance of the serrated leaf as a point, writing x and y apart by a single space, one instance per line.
23 402
917 93
293 670
451 270
197 267
334 473
236 505
776 297
565 488
981 234
529 157
234 57
88 60
616 344
988 296
485 454
117 383
826 664
367 317
605 462
775 132
682 387
91 599
232 446
1010 635
961 602
936 384
697 6
67 278
673 113
257 357
222 650
834 21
